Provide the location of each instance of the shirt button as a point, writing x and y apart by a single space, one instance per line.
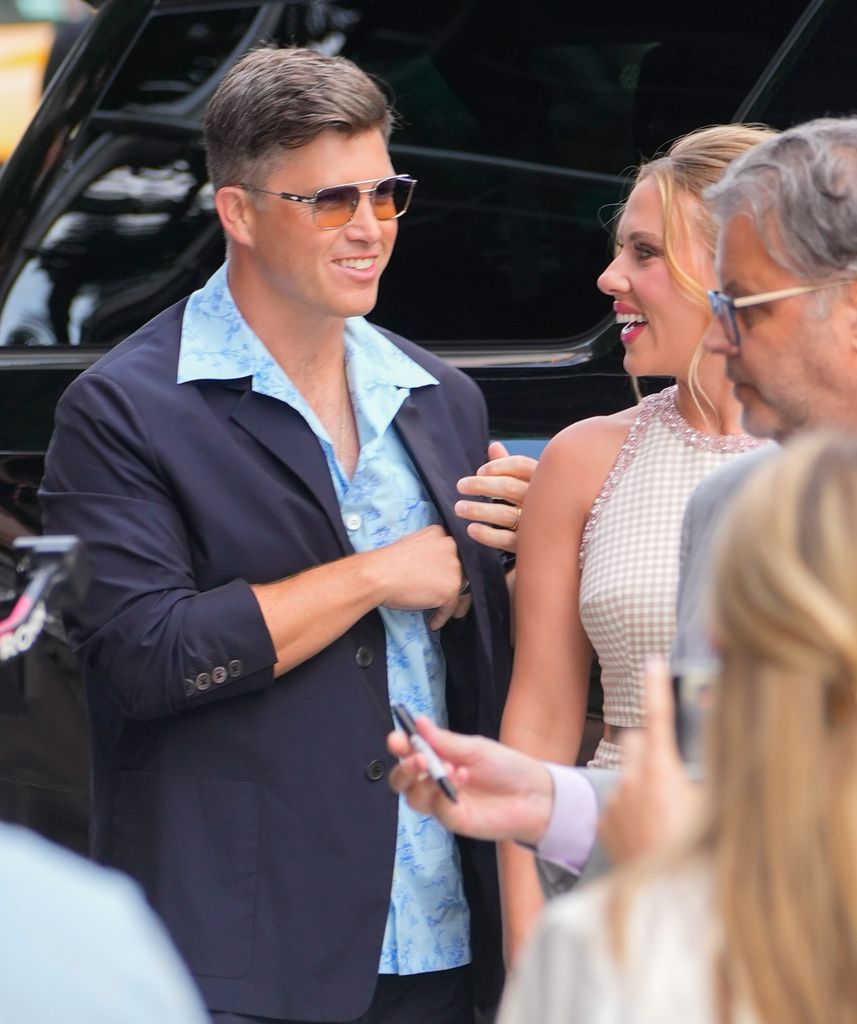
235 668
203 681
353 521
375 770
364 657
219 675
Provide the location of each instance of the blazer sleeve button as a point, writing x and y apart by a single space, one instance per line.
375 770
219 675
203 681
364 657
235 668
189 687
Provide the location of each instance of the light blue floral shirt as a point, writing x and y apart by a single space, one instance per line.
428 923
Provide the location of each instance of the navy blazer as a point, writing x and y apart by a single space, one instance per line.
253 810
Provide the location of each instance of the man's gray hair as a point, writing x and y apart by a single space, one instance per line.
799 190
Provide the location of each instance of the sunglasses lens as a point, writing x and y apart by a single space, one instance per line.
392 197
335 206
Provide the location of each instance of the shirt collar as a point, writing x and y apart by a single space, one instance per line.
380 377
218 344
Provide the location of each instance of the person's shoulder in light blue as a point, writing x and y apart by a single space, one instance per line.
79 944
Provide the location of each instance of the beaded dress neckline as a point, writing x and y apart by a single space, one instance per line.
661 406
667 409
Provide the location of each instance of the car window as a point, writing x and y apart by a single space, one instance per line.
519 120
816 77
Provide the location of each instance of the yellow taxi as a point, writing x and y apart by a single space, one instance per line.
29 31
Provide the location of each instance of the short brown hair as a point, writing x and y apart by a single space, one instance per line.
277 99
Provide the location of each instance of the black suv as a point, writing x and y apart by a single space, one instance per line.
520 118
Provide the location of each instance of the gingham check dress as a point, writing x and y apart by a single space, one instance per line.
629 554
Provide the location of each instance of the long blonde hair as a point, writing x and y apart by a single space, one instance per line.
685 171
782 832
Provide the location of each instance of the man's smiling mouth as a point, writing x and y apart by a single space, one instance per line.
356 262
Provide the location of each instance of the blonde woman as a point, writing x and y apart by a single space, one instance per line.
755 918
599 539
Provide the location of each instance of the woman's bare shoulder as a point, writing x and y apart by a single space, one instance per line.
596 438
575 463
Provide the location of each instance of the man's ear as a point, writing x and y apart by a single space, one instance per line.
235 210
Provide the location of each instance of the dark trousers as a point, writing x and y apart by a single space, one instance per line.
439 997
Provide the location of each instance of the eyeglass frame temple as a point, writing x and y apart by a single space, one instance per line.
745 301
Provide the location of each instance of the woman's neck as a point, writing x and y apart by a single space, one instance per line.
715 410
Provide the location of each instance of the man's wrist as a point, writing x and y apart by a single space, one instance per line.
571 829
541 804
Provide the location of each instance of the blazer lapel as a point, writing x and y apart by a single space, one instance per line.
426 438
286 435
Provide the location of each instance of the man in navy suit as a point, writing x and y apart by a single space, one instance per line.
265 484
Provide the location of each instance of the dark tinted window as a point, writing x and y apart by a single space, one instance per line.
519 120
176 56
544 105
818 75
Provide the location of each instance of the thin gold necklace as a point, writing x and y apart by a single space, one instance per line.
343 415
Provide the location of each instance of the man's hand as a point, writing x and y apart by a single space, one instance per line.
421 572
502 793
655 802
506 477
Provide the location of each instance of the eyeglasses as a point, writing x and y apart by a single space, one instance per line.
725 308
335 206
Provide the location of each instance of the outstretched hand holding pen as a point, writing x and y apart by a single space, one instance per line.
502 793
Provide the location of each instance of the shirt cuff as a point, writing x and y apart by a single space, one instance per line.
570 835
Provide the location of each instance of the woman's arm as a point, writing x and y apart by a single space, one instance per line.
546 707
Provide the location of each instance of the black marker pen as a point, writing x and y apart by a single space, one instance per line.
421 746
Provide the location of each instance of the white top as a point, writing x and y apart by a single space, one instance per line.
79 944
629 554
569 975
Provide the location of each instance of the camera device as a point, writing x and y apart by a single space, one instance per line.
51 573
693 684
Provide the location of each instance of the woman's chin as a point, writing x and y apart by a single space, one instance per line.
635 366
640 364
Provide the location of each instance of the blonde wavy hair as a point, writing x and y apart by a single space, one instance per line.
688 167
782 831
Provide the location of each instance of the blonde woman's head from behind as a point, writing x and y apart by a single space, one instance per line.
785 590
783 732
